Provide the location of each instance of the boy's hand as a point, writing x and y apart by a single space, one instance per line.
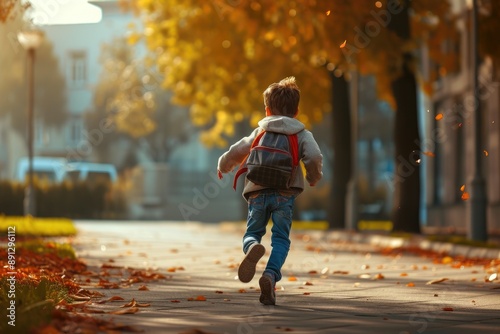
219 174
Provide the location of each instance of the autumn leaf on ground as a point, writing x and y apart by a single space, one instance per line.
410 285
79 298
292 278
111 299
447 260
492 277
343 44
436 281
198 299
308 283
465 196
447 309
143 288
93 310
378 276
130 310
134 303
219 292
340 272
175 301
439 117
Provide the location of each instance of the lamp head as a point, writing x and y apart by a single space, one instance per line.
30 39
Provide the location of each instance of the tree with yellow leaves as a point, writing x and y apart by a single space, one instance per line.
218 56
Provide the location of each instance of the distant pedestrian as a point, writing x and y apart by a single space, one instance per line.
269 200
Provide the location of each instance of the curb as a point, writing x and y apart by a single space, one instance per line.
380 240
415 241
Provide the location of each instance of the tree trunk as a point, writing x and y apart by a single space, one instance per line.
406 206
341 140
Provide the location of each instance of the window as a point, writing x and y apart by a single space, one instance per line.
77 68
75 131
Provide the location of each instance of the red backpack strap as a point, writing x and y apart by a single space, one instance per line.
294 148
243 169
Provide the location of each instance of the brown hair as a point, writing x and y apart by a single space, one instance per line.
283 97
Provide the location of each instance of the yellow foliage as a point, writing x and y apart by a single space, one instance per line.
219 56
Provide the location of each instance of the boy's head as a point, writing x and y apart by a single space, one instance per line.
282 98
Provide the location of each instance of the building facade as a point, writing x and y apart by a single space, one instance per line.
449 136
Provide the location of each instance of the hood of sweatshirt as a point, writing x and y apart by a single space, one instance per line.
281 124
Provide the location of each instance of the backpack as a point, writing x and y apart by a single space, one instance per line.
272 161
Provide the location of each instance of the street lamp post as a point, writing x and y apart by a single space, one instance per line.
30 40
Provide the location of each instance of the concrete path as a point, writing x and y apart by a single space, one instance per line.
328 286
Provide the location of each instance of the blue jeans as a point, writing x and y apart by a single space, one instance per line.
279 207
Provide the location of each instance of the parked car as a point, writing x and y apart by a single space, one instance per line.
91 172
44 168
54 169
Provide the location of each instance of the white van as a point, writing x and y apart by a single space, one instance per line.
44 168
59 169
91 172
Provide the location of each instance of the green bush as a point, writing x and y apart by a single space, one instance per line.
77 200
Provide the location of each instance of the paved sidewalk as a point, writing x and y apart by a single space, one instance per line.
328 286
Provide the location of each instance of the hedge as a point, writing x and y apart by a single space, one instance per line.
77 200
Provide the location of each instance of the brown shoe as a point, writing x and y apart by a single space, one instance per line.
267 290
247 268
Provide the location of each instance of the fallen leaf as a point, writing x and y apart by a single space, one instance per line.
447 259
447 309
111 299
462 188
307 293
131 310
242 291
198 298
437 280
364 276
172 269
485 153
292 278
403 274
439 117
219 292
313 272
175 301
328 12
134 303
308 283
343 44
340 272
79 298
143 288
378 276
465 196
410 285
